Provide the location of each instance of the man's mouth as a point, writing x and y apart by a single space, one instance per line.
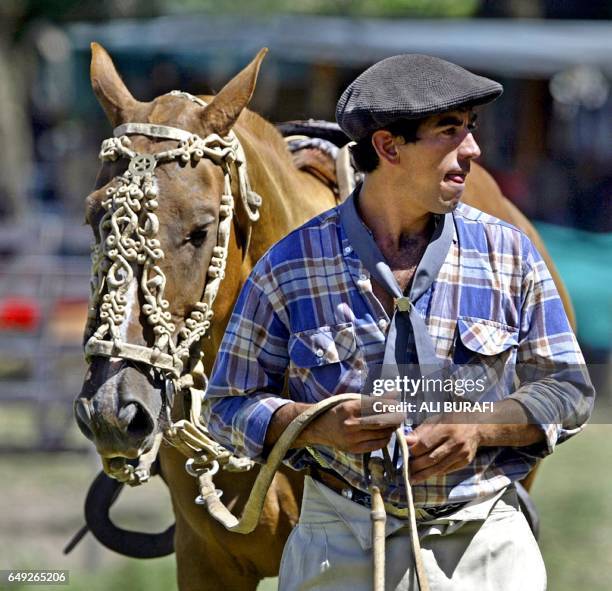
457 177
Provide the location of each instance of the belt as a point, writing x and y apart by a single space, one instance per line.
340 486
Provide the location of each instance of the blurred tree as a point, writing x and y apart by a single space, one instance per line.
353 8
21 23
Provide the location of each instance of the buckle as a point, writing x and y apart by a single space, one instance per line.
402 304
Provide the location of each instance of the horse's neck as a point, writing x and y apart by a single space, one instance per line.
289 196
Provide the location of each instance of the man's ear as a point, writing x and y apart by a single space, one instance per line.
385 144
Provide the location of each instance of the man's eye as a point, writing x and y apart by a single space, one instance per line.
197 237
450 131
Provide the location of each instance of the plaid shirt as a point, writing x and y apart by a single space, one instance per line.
307 326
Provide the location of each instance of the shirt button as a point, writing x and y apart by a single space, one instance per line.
320 352
348 250
382 324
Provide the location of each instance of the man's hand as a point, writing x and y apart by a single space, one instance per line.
349 426
447 443
439 447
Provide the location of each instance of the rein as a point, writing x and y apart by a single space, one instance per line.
251 513
128 236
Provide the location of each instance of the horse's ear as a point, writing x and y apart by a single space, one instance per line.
112 94
221 114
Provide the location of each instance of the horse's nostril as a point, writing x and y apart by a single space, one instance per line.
138 422
127 413
82 414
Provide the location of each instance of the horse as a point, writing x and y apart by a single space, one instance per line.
148 293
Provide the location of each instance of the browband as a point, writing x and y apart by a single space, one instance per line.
154 130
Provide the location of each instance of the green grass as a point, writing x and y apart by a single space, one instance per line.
42 499
135 576
573 493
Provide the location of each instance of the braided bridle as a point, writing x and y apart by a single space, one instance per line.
128 237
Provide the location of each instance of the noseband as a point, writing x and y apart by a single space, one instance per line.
128 236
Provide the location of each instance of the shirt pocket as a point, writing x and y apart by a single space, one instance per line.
324 361
485 350
323 345
486 337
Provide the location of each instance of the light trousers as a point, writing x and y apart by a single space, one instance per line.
484 546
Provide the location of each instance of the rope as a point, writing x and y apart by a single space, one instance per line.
414 533
252 510
254 505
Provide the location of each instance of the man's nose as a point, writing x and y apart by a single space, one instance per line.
469 149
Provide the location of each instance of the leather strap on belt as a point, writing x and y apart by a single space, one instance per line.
340 486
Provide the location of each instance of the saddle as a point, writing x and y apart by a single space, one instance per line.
321 149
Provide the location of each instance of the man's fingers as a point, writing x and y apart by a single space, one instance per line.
369 435
370 445
449 464
419 448
428 437
380 420
411 438
431 458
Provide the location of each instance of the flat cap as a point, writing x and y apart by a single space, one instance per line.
409 86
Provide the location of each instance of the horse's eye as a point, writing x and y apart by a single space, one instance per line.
198 236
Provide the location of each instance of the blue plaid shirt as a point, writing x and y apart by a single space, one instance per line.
307 326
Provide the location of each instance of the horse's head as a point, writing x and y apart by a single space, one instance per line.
161 215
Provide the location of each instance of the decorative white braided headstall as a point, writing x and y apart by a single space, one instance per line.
128 238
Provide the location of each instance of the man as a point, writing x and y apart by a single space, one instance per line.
318 314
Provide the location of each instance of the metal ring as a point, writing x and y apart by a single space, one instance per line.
189 468
199 500
213 469
197 472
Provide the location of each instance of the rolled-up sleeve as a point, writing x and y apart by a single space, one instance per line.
247 380
556 389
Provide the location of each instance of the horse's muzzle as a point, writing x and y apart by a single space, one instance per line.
126 433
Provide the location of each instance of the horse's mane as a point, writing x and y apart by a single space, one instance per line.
265 132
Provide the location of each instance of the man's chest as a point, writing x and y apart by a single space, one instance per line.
403 263
403 278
